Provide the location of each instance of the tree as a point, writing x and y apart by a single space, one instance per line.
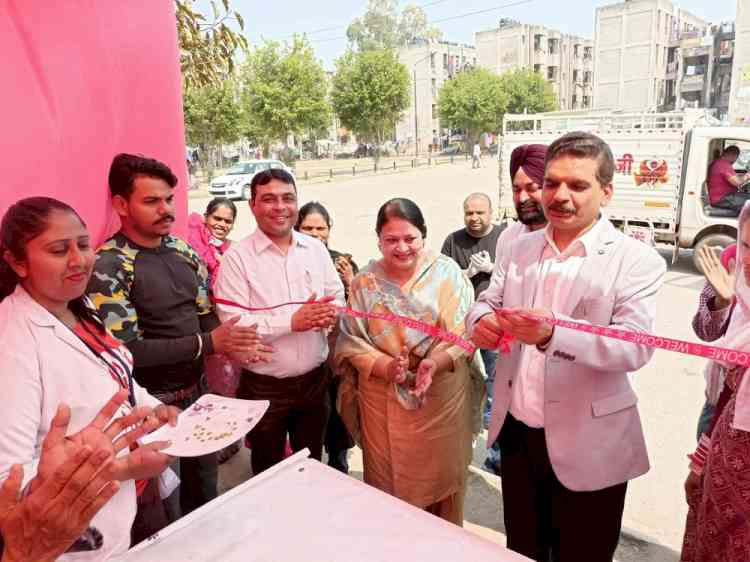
207 46
528 91
382 27
473 101
370 93
284 92
212 114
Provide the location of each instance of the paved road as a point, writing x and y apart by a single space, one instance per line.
670 388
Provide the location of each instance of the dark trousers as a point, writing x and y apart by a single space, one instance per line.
199 476
337 439
544 520
299 407
733 201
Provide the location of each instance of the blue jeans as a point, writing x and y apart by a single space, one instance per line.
489 358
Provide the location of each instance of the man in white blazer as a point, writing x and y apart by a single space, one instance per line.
563 408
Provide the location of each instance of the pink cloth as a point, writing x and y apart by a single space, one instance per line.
727 255
719 185
90 79
207 247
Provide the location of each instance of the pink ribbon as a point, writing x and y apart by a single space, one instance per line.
423 327
711 352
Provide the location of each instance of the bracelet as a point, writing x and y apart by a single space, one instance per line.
699 458
200 346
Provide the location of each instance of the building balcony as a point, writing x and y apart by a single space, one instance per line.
693 83
696 52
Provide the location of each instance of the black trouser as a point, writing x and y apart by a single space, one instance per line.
299 407
199 476
544 520
337 439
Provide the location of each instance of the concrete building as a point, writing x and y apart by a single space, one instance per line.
704 69
566 61
636 45
430 64
739 101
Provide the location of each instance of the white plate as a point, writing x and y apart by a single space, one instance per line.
209 425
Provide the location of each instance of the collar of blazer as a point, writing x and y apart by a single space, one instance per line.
529 250
42 317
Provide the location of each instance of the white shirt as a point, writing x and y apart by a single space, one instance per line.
558 271
44 364
255 273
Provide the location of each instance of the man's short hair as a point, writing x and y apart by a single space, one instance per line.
584 145
126 168
265 177
479 195
732 149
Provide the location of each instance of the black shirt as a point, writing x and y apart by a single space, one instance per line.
460 246
155 300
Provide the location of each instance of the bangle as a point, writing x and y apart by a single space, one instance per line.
200 346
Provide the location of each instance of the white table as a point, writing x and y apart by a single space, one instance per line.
302 510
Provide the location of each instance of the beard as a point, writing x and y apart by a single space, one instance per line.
530 213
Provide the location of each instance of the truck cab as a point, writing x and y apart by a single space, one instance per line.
701 224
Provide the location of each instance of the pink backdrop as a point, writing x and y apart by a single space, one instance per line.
81 81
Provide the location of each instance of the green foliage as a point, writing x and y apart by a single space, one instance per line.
528 91
212 114
474 101
207 45
284 92
382 27
370 93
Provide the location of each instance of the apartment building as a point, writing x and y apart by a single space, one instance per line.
739 100
430 64
704 69
565 61
636 44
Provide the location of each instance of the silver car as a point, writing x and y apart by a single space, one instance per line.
235 184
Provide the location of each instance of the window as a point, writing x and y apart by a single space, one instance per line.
445 61
586 101
434 111
538 68
538 42
434 87
553 47
577 51
574 101
432 62
552 73
575 77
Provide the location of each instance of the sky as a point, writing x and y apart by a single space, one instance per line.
278 19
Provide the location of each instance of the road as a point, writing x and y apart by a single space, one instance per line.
670 387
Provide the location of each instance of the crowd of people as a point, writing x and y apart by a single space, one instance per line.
102 347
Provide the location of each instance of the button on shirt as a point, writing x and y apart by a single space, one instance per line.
255 273
558 271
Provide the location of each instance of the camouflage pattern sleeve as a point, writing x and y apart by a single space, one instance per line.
202 301
109 290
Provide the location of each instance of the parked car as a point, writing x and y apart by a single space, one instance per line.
235 184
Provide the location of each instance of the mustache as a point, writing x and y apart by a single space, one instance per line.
165 218
560 208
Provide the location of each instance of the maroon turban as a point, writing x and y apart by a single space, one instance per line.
530 157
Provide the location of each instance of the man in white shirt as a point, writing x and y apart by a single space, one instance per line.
563 408
476 156
273 266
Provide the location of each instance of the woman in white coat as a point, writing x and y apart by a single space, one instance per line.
55 350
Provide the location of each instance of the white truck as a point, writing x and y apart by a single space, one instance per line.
662 159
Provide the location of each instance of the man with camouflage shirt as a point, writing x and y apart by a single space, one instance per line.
151 290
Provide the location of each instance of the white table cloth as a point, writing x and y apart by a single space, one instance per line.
302 510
